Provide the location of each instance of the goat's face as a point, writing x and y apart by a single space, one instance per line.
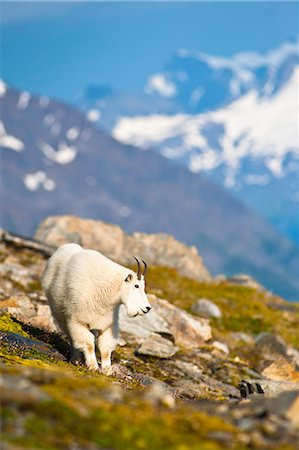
133 295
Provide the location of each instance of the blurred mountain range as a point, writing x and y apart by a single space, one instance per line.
54 160
235 119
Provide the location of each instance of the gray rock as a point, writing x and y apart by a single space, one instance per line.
273 388
157 249
165 319
139 328
206 308
271 345
159 394
29 311
188 331
188 369
243 279
16 341
156 345
221 347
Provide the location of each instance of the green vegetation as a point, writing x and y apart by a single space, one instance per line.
89 410
66 406
7 323
244 309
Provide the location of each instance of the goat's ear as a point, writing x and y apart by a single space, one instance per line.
129 278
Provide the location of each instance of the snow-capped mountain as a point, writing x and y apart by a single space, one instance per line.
54 160
234 119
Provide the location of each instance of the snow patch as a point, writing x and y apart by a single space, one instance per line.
72 133
3 88
205 161
33 181
9 141
49 119
93 115
146 131
63 155
160 84
24 99
264 129
275 166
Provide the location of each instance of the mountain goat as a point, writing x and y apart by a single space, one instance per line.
85 290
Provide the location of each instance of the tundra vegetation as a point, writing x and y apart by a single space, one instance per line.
190 400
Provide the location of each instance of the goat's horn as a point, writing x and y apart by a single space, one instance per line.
145 268
139 269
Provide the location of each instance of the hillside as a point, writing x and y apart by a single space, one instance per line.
234 119
230 381
54 161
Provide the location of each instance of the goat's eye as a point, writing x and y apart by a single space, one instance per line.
137 286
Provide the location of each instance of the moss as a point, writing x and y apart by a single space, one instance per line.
71 416
244 309
7 323
34 286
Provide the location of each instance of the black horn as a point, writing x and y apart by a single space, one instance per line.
145 268
139 269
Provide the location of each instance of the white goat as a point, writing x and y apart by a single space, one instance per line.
85 290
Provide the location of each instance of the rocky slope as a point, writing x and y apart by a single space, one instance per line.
55 161
181 373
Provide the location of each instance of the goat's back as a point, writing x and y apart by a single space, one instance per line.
58 263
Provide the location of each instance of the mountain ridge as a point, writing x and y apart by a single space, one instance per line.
234 119
69 166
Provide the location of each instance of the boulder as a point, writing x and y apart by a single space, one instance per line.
188 331
137 329
157 249
271 345
243 279
156 345
29 311
221 347
167 320
281 370
292 409
187 369
205 308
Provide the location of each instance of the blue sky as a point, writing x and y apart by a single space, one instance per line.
56 48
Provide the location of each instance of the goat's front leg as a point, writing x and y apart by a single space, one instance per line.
106 343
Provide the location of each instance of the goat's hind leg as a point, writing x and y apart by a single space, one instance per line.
82 340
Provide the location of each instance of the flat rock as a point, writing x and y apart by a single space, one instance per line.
206 308
273 388
281 370
221 347
243 279
156 345
15 340
187 369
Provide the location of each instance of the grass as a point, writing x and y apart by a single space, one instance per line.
243 308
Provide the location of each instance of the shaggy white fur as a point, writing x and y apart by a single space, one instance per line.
85 290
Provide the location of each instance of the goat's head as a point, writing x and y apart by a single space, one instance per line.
133 293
